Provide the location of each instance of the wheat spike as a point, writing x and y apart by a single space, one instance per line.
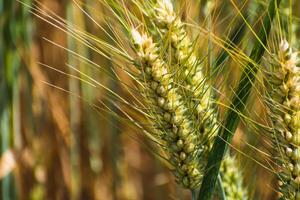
172 124
284 105
232 179
190 74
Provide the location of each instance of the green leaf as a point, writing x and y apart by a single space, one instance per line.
237 106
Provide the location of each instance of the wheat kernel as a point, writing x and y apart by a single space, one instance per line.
289 152
182 156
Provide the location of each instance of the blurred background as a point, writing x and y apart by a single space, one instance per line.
56 140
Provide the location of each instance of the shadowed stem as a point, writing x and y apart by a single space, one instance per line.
237 106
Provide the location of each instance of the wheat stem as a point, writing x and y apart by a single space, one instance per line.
221 188
239 101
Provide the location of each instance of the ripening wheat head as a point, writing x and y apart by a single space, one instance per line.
284 106
232 179
177 93
190 69
170 112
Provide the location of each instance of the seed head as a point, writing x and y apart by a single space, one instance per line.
232 179
284 76
168 107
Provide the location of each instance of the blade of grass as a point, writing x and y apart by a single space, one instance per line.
232 119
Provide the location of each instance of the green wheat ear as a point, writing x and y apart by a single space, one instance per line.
172 125
188 69
283 88
177 98
232 179
187 73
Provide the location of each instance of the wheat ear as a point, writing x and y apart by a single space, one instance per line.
284 106
172 126
232 179
189 69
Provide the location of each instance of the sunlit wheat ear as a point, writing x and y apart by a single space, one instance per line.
188 68
283 88
232 179
172 124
